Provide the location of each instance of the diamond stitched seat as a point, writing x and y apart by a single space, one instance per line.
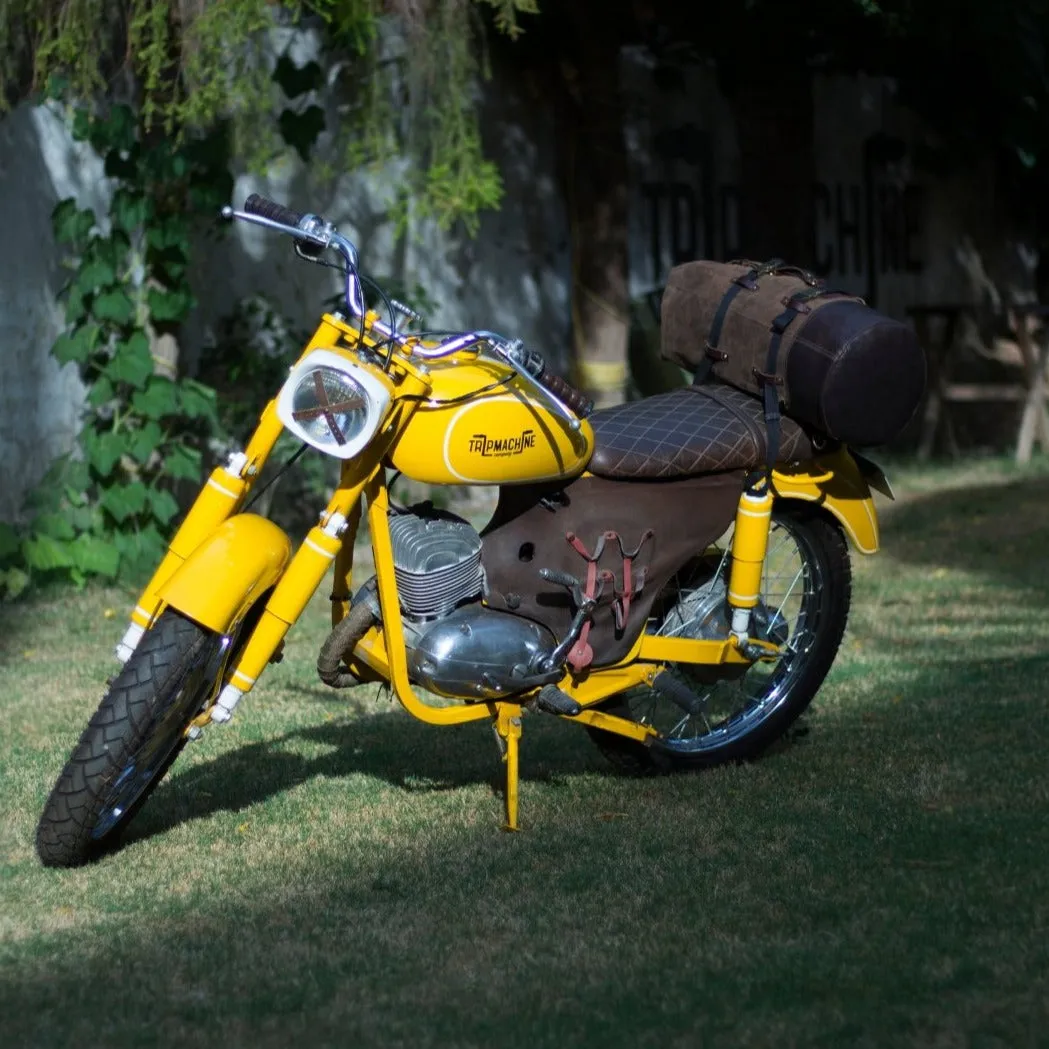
696 430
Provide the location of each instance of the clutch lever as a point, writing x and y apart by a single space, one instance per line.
313 231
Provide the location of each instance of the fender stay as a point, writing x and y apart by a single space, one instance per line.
221 579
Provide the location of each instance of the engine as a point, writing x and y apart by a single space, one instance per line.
437 561
456 646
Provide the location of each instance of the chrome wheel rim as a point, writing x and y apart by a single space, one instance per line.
727 707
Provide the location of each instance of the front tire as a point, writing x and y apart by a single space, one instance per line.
131 742
723 717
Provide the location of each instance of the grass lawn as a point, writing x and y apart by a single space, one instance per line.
325 871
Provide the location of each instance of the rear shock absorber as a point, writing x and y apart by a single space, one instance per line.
750 543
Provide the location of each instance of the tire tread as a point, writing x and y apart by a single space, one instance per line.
117 729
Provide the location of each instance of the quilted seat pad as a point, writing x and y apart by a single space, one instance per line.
695 430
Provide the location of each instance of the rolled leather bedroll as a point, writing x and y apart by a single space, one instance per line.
824 357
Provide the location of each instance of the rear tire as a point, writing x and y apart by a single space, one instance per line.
742 715
131 742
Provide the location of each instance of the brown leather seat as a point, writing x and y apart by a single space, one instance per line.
696 430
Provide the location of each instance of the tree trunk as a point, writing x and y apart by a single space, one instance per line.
773 109
594 175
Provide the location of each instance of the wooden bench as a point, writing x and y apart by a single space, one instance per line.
937 327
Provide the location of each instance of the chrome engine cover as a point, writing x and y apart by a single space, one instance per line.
437 561
479 653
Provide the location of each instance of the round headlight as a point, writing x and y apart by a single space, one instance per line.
332 403
330 407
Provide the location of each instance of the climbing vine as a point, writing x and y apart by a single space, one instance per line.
189 63
101 510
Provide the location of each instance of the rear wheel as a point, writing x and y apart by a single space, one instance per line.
710 715
132 740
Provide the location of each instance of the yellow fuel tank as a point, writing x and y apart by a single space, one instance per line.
478 428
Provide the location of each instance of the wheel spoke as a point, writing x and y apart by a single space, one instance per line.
734 706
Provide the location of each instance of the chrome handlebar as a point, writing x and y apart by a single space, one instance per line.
314 231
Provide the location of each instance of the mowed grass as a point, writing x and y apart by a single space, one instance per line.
325 871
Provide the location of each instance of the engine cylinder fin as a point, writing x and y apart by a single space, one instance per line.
437 560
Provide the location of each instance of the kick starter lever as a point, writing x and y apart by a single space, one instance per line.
584 607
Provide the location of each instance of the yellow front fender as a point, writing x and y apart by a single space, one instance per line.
224 576
835 482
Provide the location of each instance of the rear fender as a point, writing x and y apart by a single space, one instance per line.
225 575
836 483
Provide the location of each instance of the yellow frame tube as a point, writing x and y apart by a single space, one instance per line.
342 580
396 664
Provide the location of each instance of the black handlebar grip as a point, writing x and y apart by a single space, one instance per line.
567 394
270 209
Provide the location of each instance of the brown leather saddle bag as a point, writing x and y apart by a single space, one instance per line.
822 357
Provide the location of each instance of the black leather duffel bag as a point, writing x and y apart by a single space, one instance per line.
823 357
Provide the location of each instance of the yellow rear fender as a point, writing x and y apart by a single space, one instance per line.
835 483
225 575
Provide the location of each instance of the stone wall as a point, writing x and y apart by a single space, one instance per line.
882 230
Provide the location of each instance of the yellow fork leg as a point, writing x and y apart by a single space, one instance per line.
508 727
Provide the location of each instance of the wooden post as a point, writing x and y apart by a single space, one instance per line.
1034 422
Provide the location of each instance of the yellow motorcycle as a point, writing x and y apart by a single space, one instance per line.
644 575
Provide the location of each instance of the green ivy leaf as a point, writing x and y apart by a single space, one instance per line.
301 130
75 475
129 210
169 236
45 554
157 400
116 130
199 401
183 463
114 305
95 556
76 309
76 345
70 224
132 363
55 525
101 392
102 450
139 550
112 249
13 582
167 306
122 501
297 80
163 505
9 542
56 87
95 275
83 518
145 441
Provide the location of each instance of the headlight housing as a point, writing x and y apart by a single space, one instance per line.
332 404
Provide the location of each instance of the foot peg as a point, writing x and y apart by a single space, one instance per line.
553 701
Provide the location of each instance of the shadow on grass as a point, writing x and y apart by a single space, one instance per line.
391 746
998 530
888 890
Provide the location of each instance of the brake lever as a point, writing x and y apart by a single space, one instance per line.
560 408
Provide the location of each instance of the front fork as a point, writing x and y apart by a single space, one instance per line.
222 496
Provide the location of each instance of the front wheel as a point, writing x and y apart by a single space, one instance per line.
129 744
710 715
